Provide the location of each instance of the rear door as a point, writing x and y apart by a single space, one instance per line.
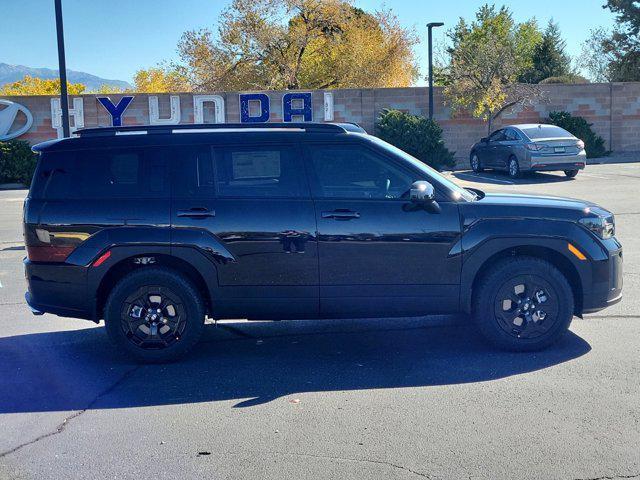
249 206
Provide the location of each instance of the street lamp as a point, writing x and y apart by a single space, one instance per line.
430 27
62 68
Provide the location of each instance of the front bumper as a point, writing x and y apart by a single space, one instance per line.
607 279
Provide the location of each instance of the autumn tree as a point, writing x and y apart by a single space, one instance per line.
487 57
39 86
292 44
161 79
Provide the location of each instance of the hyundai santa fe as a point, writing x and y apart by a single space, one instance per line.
155 228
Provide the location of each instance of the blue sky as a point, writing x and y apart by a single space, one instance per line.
114 38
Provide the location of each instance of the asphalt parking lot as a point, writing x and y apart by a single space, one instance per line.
395 398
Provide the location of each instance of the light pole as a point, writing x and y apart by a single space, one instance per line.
62 68
430 27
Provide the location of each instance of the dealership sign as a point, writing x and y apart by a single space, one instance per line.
16 119
11 125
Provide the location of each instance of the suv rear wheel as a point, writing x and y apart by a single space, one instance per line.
523 304
154 315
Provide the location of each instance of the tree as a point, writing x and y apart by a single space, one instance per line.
624 43
161 80
38 86
593 59
549 58
487 58
615 56
292 44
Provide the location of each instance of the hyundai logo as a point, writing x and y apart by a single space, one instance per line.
8 116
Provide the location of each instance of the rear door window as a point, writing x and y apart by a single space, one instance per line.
259 171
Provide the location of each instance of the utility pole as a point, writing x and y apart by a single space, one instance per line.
62 67
430 27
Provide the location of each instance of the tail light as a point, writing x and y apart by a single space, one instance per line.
580 145
52 246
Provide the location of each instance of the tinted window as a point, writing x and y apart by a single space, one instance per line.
54 177
355 172
131 173
497 136
512 135
265 171
546 131
193 171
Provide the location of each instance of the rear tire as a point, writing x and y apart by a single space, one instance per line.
571 173
476 164
154 315
514 168
523 304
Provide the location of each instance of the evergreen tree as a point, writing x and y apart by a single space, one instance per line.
549 57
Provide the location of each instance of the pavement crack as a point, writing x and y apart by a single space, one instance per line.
613 477
63 425
351 459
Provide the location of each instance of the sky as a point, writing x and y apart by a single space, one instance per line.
114 38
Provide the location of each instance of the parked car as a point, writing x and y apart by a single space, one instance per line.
154 228
517 149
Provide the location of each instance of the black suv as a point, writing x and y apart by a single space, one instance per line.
154 228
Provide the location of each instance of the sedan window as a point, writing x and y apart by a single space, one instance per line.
546 131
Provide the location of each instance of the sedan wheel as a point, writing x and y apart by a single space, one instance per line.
476 166
514 168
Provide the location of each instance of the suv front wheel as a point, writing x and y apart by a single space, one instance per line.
523 304
154 315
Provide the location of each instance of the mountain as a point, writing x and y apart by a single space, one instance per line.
13 73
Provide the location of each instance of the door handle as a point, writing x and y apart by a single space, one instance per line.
341 215
196 212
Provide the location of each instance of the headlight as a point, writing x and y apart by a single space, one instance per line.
604 227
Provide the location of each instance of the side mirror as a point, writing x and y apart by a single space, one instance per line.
484 139
421 192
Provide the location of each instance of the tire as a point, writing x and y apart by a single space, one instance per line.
571 173
513 168
134 324
476 164
499 322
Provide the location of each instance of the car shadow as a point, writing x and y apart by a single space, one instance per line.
253 363
500 178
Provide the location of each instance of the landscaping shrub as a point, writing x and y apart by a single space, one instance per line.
17 162
416 135
578 126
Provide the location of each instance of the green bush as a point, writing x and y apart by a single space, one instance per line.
578 126
416 135
17 162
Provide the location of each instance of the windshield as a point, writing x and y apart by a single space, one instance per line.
545 131
457 191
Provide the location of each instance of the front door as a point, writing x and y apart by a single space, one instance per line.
378 254
253 201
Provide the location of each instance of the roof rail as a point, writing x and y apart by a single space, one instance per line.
311 127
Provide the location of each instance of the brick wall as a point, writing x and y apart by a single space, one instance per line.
614 110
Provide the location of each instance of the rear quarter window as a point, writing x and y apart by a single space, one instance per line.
130 173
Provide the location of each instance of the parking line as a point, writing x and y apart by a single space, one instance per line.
492 179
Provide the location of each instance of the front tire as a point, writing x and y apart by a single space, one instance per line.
514 168
523 304
571 173
476 165
154 315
